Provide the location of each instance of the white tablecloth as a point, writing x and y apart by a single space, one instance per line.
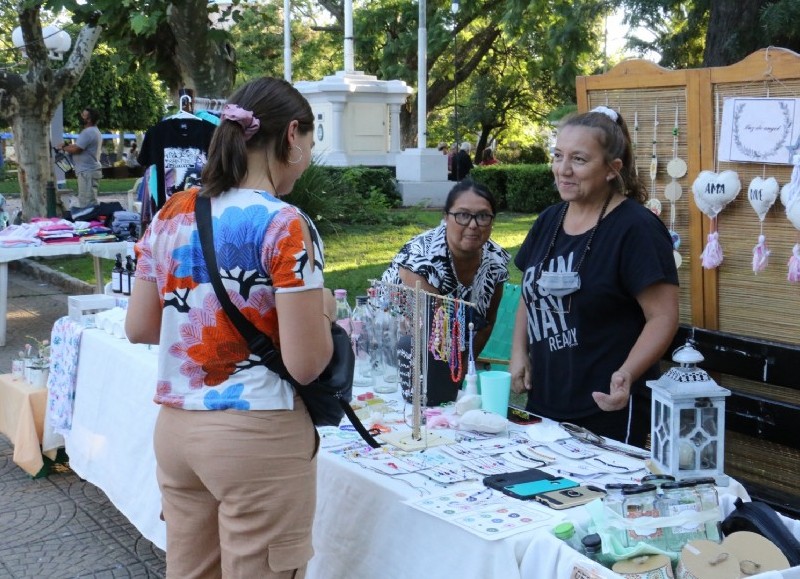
362 528
96 250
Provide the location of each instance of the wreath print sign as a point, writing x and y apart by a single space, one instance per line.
758 130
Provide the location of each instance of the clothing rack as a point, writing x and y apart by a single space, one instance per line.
212 105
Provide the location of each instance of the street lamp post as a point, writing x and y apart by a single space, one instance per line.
57 42
454 9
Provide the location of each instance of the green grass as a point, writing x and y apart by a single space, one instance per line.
356 254
10 186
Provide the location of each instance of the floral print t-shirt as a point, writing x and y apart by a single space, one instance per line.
203 361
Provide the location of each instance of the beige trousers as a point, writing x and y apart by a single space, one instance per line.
88 187
238 492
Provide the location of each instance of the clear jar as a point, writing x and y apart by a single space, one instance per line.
361 325
678 498
706 488
386 372
640 501
658 480
613 501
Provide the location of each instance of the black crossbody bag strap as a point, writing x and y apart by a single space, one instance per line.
257 342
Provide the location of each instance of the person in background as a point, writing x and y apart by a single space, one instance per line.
599 301
133 153
442 147
86 151
457 259
451 162
488 158
234 444
462 164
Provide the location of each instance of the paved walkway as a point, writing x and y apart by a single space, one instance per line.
60 526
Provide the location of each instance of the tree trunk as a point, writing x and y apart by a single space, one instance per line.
734 31
30 99
32 144
205 64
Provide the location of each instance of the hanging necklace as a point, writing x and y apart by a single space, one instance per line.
676 169
653 204
561 284
635 142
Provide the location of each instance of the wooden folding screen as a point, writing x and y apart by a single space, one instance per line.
748 324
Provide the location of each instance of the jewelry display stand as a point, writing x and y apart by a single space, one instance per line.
418 299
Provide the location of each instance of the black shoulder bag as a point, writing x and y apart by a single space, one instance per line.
328 397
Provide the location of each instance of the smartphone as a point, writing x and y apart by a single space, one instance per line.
520 416
572 497
529 490
506 479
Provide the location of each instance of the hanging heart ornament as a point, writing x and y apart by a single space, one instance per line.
762 194
713 191
793 213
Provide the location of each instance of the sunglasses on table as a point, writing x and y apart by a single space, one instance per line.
464 218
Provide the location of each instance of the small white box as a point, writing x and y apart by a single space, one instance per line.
82 309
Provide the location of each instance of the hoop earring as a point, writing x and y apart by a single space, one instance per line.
299 159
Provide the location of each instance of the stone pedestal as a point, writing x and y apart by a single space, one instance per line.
422 177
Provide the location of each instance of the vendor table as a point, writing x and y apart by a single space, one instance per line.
96 250
22 419
362 529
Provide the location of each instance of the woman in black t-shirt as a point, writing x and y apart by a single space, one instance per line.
599 303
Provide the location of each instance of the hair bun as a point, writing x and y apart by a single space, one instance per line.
610 113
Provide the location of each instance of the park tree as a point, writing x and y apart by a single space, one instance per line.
713 32
173 38
30 96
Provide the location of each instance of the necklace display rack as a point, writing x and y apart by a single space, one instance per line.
415 303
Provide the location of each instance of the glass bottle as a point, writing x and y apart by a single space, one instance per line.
343 311
127 276
116 275
361 325
386 336
592 546
566 532
678 498
640 501
706 488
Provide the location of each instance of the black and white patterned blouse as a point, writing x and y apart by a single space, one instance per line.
428 256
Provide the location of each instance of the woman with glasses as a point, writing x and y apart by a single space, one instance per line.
457 259
599 302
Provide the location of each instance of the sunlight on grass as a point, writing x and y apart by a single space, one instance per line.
357 253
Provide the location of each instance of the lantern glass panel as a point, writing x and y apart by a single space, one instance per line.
688 421
708 418
708 456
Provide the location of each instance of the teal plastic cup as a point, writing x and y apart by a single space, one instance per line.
495 391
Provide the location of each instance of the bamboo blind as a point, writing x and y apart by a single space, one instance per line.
730 298
750 304
642 108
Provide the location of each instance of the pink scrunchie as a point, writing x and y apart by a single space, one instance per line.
245 118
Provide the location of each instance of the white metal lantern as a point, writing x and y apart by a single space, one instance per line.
688 421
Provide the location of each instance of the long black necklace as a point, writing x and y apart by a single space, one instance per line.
559 226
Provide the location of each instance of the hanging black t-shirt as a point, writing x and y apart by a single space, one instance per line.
577 341
178 148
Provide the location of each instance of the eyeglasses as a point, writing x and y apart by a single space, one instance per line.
464 218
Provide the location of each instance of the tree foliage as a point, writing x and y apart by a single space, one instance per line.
124 100
713 32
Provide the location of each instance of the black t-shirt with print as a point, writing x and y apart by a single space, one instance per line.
576 342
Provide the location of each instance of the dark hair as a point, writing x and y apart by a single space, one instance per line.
488 154
275 103
469 185
93 115
616 140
